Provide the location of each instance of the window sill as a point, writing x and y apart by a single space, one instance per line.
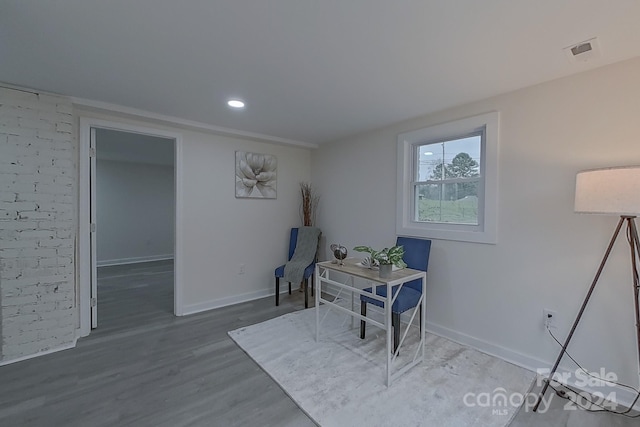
487 237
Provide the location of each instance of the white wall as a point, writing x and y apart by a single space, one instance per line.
135 214
221 232
492 296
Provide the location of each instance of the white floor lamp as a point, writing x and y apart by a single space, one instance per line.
611 191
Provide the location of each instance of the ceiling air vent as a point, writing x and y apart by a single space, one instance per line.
583 51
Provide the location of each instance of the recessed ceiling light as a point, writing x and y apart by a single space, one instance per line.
235 103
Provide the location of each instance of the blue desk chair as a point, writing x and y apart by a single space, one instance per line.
308 272
416 256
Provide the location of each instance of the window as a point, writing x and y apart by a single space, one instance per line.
447 180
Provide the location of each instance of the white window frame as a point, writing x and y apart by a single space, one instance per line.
486 230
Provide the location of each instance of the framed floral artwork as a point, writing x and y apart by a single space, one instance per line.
255 175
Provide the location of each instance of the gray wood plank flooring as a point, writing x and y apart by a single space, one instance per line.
145 367
134 294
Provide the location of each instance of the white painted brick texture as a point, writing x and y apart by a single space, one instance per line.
38 193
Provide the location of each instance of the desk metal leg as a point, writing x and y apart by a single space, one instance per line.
318 292
423 317
353 307
387 323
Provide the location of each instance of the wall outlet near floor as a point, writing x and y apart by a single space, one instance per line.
241 268
550 318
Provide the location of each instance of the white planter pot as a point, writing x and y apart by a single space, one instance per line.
385 270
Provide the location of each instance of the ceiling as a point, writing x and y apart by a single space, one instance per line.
309 70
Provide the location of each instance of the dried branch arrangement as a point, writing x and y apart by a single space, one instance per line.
309 204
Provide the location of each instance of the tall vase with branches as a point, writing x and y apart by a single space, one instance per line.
309 206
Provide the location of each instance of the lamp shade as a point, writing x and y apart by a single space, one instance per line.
610 191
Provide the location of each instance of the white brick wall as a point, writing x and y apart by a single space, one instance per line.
38 193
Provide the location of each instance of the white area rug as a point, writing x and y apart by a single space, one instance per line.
339 381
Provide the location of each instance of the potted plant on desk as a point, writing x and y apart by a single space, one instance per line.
386 258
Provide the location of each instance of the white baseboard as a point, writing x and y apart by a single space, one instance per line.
623 396
236 299
133 260
524 361
223 302
41 353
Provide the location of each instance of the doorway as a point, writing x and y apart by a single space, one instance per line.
129 240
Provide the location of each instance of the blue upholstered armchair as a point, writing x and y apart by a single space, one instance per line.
416 256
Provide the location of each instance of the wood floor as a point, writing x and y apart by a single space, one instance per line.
134 294
145 367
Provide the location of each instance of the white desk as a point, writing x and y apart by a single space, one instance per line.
350 271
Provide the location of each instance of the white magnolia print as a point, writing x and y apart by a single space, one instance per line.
255 175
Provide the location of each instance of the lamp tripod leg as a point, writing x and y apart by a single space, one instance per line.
634 243
580 313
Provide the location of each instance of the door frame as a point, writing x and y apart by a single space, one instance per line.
84 220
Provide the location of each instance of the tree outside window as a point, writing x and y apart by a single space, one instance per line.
447 190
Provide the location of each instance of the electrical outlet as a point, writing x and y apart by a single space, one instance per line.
241 269
550 318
